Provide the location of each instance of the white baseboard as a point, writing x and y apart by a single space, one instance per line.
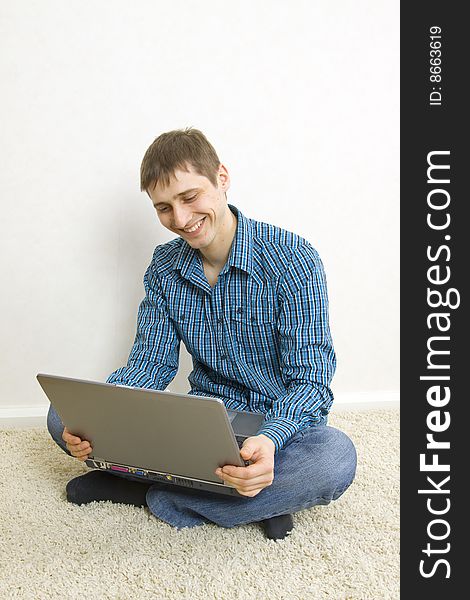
23 416
35 416
365 400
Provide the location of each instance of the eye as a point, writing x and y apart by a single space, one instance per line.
190 199
162 209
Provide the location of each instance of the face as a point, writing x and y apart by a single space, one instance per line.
193 208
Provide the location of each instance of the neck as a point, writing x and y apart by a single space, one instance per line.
216 255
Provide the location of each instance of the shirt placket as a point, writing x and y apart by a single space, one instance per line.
220 321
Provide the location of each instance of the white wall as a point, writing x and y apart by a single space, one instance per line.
299 99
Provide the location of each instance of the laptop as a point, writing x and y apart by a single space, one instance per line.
152 435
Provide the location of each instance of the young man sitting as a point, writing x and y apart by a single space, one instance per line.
249 301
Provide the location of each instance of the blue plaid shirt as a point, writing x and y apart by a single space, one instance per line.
259 339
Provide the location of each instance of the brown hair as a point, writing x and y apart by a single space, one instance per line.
175 150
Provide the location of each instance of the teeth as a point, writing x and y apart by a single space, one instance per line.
198 224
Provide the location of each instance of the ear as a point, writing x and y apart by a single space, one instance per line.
223 178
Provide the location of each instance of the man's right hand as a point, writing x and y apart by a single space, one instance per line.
78 448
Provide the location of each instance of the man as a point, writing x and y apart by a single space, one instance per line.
249 301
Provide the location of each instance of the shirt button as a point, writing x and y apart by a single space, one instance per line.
223 357
220 320
182 317
239 311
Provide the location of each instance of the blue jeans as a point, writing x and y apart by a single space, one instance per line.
315 467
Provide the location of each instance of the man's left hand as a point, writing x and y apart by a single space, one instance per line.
250 480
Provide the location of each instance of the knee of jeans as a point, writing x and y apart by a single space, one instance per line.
346 466
54 424
340 465
56 428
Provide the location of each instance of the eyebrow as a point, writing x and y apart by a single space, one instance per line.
191 190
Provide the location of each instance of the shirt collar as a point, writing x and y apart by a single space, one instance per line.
241 252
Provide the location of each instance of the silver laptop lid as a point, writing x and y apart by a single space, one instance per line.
175 433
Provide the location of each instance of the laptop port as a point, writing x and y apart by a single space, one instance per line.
183 482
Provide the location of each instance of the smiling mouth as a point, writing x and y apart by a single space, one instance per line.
195 227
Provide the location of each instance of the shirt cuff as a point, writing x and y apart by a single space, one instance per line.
279 430
132 377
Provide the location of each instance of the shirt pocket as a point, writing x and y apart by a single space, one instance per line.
254 332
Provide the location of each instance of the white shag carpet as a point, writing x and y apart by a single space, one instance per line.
52 549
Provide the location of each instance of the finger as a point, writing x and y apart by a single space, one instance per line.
80 453
66 433
77 452
251 471
261 481
249 494
71 439
76 447
251 488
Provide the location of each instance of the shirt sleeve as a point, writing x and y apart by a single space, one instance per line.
307 356
154 357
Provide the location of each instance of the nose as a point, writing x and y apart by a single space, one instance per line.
181 216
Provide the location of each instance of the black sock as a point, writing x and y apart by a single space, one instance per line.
99 485
276 528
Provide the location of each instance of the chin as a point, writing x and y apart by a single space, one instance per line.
197 244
